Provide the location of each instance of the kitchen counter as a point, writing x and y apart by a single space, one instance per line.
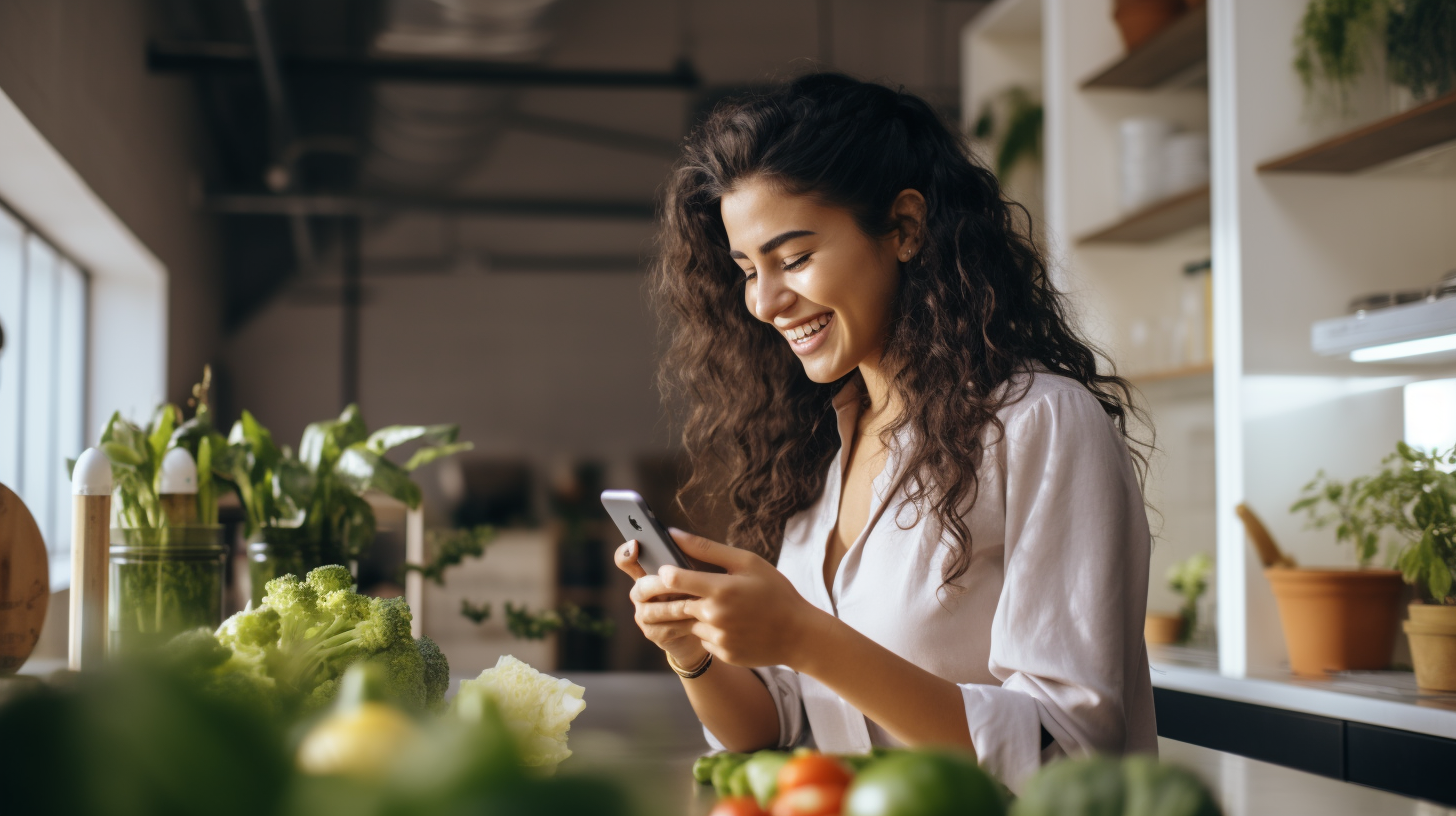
1390 699
640 727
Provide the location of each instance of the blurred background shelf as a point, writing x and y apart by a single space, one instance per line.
1174 52
1158 220
1379 142
1192 372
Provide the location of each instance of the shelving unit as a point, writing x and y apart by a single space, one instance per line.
1157 220
1172 53
1382 141
1202 370
1292 239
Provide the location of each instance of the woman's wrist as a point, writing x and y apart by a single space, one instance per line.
687 655
812 641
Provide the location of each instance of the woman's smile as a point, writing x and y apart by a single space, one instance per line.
806 337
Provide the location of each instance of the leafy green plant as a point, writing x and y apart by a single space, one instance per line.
1336 40
1420 40
1190 579
527 625
1411 503
1021 138
450 548
321 490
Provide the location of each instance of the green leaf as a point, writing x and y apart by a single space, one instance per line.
393 436
121 454
316 437
424 456
363 469
351 427
162 426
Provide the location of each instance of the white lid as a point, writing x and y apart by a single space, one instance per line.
179 473
92 474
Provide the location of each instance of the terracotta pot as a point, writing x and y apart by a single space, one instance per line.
1139 20
1336 620
1160 629
1432 633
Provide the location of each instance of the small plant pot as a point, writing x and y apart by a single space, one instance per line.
1432 633
1337 620
1162 629
1139 20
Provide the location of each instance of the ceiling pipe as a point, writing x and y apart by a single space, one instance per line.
279 176
298 205
229 58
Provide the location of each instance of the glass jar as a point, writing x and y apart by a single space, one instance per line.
164 581
282 551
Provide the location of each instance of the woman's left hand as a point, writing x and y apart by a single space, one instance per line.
751 616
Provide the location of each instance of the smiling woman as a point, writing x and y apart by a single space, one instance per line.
938 533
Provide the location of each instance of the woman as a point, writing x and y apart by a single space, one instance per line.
869 347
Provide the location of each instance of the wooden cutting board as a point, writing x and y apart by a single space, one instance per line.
24 582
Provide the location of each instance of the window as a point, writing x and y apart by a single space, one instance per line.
42 379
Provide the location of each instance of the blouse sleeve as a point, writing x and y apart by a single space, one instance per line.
783 686
1067 633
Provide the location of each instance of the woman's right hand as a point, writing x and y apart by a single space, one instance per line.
659 613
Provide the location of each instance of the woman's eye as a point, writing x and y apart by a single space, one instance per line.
797 262
752 273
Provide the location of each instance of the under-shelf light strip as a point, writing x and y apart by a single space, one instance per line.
1407 348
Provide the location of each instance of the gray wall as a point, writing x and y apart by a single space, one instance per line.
77 69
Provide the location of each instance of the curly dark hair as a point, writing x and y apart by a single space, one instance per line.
974 307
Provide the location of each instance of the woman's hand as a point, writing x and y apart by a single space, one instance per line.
657 615
750 616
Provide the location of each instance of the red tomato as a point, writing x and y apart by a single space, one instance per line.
737 806
809 800
813 769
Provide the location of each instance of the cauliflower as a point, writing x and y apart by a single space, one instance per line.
537 707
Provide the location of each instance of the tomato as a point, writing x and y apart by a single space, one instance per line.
736 806
809 800
924 783
813 769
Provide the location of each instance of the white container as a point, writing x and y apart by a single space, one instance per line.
1185 162
1143 141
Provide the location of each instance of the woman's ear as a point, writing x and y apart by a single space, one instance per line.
908 213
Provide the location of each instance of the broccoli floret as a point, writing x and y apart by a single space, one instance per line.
250 627
437 672
331 578
388 623
237 675
296 603
404 674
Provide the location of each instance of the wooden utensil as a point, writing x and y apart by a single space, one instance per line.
1269 552
25 584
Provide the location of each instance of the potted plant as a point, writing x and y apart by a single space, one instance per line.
309 510
1413 500
1409 504
1190 580
166 556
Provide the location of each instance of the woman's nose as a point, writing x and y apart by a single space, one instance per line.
771 297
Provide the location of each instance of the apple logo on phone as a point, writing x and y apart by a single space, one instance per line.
634 524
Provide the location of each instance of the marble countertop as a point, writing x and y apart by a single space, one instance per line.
1389 699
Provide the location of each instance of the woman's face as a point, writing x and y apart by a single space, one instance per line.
825 286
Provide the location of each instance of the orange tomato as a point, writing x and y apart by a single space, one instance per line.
809 800
736 806
813 769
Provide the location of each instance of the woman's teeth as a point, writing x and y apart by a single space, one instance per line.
799 334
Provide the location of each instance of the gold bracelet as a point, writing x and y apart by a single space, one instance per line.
688 674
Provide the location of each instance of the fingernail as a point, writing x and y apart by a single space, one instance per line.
627 550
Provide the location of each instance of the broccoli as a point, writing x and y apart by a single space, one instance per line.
437 673
298 643
404 674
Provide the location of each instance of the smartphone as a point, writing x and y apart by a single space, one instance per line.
637 521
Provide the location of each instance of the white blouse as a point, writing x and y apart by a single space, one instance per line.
1048 632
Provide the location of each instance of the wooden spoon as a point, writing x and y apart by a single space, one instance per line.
25 587
1269 552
